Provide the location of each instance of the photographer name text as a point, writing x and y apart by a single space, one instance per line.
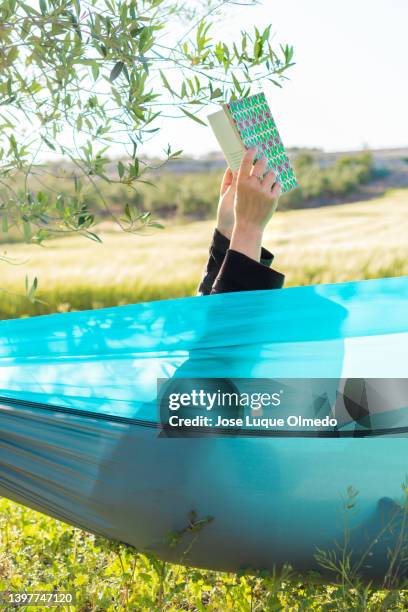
249 421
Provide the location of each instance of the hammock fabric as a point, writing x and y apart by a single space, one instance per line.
79 426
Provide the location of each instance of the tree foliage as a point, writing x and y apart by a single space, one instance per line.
81 78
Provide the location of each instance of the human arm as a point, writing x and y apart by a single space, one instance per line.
241 263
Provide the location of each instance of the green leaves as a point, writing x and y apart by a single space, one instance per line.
216 93
121 169
167 84
202 40
83 82
237 85
95 70
30 289
135 221
288 52
146 40
116 70
12 55
193 117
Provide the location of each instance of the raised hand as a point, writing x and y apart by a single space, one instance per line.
257 195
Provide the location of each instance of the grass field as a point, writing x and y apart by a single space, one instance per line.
332 244
321 245
41 554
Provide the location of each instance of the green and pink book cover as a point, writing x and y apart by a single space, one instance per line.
248 122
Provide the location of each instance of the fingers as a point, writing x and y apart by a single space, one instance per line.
269 180
259 168
228 176
229 181
276 190
271 184
226 180
247 163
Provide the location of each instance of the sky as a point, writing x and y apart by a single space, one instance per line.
349 87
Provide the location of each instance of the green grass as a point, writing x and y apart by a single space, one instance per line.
333 244
41 554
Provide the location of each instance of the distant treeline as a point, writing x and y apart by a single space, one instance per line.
195 195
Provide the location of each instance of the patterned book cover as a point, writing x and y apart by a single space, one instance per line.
253 119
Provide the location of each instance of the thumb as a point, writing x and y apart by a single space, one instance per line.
234 181
226 181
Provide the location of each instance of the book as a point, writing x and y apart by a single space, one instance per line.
248 122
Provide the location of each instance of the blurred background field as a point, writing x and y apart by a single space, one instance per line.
186 189
336 243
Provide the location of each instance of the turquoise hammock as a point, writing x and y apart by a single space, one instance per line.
80 435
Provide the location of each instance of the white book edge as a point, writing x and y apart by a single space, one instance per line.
228 138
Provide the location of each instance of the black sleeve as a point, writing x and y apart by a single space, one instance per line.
218 251
241 273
